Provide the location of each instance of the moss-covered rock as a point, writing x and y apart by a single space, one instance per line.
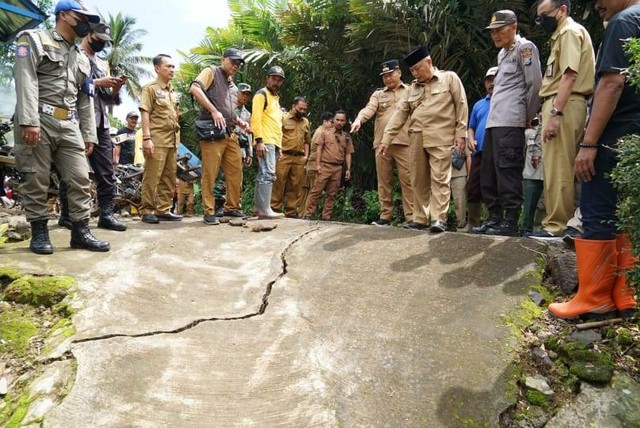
537 398
587 364
39 291
7 276
17 327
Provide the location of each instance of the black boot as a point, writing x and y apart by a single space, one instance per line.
508 226
40 243
81 237
107 220
64 220
493 221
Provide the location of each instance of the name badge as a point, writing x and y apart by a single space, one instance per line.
549 71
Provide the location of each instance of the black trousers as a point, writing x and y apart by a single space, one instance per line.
501 170
101 161
474 190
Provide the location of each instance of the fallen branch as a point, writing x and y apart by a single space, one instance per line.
596 324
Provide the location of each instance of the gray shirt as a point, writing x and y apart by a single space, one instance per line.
515 100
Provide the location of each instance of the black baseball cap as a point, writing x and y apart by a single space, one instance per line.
101 31
233 53
276 70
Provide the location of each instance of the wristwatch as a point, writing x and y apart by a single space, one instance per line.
556 112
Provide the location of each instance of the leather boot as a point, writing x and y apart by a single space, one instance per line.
597 267
81 237
495 218
623 294
64 220
507 227
40 242
263 202
107 219
474 210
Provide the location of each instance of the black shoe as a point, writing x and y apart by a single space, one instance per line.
235 213
81 237
40 242
150 218
292 215
211 220
412 225
169 216
526 233
381 222
505 228
490 223
544 234
109 222
65 221
219 212
569 235
437 227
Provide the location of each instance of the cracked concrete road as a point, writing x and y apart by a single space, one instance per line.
312 324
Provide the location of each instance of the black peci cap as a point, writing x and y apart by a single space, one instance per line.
416 56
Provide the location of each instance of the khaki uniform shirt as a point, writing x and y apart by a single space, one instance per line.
50 70
437 108
266 123
382 104
160 101
295 133
336 145
571 48
515 100
313 150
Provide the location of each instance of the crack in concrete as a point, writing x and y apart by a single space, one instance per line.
260 311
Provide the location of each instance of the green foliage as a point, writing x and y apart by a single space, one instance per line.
626 174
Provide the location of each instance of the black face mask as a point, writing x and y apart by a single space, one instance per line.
299 115
82 28
549 24
97 45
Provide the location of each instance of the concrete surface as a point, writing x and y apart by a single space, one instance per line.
312 324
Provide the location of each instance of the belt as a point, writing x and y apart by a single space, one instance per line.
573 94
292 153
58 112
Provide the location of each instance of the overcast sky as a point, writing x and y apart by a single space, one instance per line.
171 25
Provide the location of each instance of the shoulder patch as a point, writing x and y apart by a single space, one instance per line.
22 51
526 54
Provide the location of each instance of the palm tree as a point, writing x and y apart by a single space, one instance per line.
123 56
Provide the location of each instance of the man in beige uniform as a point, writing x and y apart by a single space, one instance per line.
160 138
55 113
382 104
566 84
296 143
326 119
436 108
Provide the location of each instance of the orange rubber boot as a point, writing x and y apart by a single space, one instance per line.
623 294
597 266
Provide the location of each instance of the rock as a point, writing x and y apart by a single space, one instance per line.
537 416
585 337
539 383
4 386
39 291
562 268
224 220
553 355
541 358
537 298
14 237
588 365
237 222
259 227
615 407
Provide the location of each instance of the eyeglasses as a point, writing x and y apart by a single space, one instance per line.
236 63
542 16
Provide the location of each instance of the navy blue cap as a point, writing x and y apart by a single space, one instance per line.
233 53
74 6
389 66
276 70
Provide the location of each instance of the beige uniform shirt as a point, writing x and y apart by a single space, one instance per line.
160 101
382 104
571 48
295 133
50 70
336 145
437 108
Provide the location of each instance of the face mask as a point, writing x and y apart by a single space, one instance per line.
82 28
548 24
96 45
299 115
